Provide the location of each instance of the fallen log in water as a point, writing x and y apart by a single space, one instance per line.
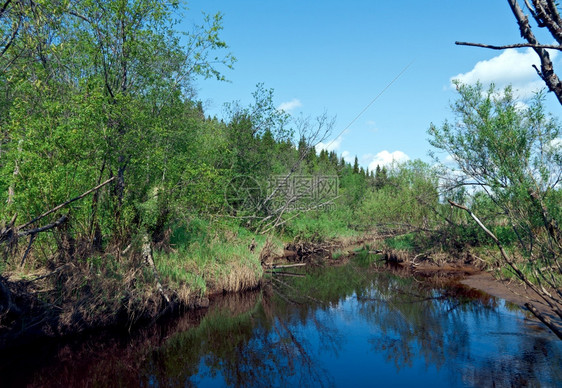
273 266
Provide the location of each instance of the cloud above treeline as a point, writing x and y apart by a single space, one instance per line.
329 145
386 158
383 159
288 106
511 67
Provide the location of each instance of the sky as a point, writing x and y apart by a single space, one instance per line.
339 56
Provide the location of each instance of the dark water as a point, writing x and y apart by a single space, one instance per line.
344 326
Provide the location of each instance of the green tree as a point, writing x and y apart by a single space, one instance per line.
513 154
93 89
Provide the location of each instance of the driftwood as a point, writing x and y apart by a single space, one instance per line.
287 265
290 274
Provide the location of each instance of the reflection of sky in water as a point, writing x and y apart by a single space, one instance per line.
333 328
387 346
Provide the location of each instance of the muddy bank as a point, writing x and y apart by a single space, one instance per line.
407 264
511 291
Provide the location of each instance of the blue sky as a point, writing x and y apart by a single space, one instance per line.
337 56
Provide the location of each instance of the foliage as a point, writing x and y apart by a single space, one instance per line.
512 153
408 199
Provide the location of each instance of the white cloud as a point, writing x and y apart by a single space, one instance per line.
385 158
511 67
450 160
329 146
346 155
290 105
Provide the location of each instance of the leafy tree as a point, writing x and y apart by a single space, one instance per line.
381 177
96 89
407 201
513 154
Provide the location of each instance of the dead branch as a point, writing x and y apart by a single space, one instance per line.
66 203
149 261
545 320
7 231
553 303
510 46
277 222
58 222
31 238
546 15
287 265
290 274
54 272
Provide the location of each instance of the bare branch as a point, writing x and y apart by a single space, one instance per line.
11 39
543 17
4 7
74 13
31 238
66 203
547 73
509 46
552 8
43 228
552 302
547 322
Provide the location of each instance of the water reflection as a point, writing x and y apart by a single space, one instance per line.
349 325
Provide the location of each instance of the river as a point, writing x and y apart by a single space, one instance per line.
353 325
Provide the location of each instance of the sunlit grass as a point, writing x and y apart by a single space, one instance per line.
317 226
213 257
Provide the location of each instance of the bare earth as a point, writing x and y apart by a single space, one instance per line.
513 292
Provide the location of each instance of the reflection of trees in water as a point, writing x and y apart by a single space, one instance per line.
415 323
280 335
261 347
437 325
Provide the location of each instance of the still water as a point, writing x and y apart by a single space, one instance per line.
344 326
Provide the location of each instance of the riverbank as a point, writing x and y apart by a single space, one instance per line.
215 262
134 287
309 330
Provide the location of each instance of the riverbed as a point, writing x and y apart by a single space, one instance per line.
353 325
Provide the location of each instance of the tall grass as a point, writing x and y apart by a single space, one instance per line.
210 257
317 226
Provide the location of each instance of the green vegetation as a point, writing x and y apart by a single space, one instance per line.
97 106
511 154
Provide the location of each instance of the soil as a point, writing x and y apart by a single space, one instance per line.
511 291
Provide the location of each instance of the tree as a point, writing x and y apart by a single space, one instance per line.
546 14
92 89
356 166
514 155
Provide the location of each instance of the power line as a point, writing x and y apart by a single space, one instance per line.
372 102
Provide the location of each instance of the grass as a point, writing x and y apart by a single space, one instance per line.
213 257
204 257
405 242
318 226
337 254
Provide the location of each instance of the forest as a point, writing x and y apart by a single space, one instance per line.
122 200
